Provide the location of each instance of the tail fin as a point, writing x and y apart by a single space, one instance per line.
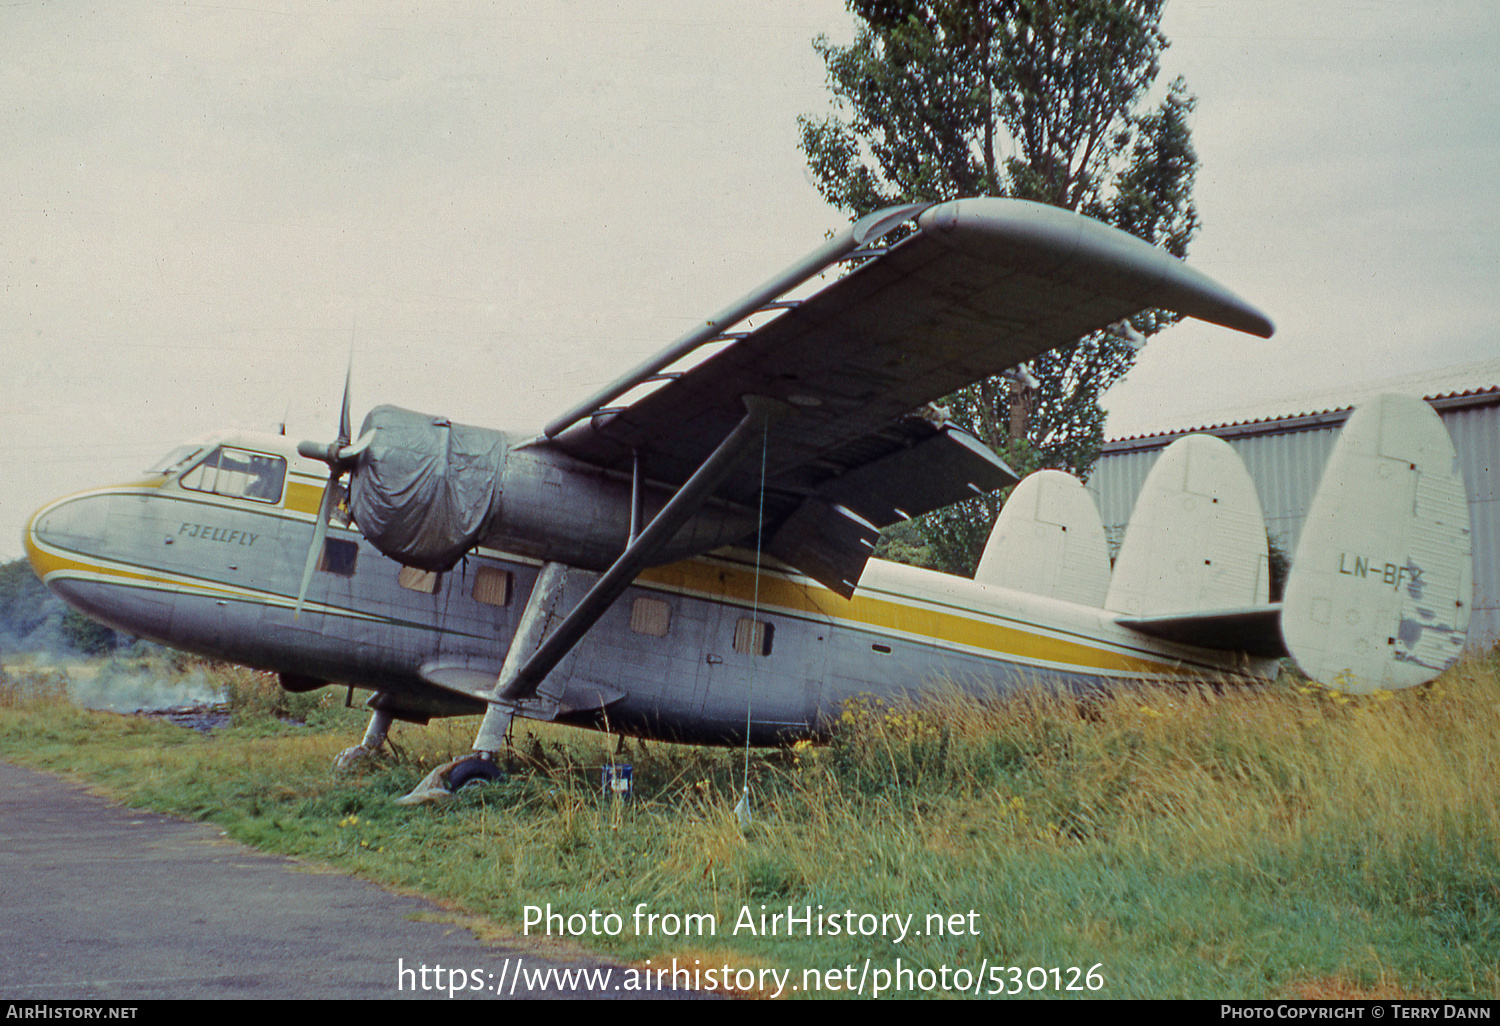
1378 595
1048 541
1196 539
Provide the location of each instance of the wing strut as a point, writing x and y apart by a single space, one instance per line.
639 554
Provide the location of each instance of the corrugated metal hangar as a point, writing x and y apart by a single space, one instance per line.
1286 444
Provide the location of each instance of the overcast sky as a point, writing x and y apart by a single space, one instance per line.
202 206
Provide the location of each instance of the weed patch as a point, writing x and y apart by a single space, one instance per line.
1257 841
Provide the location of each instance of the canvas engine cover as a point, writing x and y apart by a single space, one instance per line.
426 490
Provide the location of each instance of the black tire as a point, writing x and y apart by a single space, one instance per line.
473 771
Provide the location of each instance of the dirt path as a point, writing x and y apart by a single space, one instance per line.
103 902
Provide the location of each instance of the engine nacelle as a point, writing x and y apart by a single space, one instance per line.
427 490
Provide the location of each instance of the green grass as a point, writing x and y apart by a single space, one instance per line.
1252 842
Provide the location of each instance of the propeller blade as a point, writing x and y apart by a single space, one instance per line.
338 456
350 452
345 432
320 532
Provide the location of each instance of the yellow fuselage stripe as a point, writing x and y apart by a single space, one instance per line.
882 615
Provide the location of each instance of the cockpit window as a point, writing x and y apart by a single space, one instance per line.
176 459
239 474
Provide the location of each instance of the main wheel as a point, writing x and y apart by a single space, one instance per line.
473 770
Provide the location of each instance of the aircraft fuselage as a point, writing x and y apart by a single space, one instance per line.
694 650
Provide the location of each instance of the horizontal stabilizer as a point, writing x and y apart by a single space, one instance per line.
1048 541
1378 594
1254 630
476 680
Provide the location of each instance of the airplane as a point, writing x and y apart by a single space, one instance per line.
686 555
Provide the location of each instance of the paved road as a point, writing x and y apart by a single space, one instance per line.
99 901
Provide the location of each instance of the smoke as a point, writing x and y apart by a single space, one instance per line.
121 688
32 619
38 626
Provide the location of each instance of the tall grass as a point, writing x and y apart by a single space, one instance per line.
1234 840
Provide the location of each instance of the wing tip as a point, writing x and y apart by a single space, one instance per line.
1040 235
1217 305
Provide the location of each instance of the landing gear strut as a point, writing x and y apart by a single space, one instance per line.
479 764
369 748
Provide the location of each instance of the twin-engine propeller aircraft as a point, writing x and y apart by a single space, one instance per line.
686 555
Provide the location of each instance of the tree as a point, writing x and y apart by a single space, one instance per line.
87 636
1041 100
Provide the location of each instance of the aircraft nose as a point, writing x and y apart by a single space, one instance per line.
69 526
33 540
81 548
27 534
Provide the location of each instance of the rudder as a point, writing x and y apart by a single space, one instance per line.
1379 592
1048 541
1196 539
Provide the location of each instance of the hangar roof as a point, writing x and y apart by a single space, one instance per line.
1445 386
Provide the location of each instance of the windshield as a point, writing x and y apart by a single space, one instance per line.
238 473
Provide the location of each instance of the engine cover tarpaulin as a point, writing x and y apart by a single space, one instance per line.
426 490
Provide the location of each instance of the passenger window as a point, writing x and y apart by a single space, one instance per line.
492 586
753 637
651 617
238 474
413 579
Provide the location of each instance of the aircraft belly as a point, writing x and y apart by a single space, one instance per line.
882 669
885 644
132 610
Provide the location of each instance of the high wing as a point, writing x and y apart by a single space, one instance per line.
980 286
